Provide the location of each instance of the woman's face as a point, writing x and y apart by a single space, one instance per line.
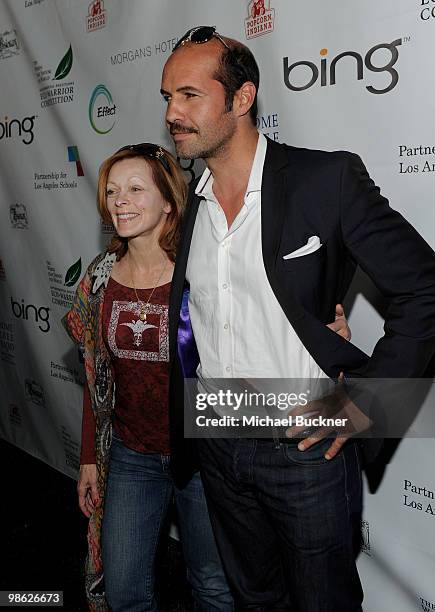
135 204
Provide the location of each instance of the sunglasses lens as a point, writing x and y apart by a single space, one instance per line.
203 34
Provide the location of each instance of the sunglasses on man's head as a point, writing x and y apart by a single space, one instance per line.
148 149
199 35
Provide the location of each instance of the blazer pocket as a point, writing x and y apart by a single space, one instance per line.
305 261
313 244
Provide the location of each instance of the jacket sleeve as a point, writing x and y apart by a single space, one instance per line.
402 266
75 319
87 454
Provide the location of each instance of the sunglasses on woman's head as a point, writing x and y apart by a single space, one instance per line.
148 149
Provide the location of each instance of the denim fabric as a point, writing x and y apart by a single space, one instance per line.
139 491
287 523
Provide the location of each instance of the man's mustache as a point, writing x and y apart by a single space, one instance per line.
178 128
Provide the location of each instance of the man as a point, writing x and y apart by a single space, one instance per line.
271 239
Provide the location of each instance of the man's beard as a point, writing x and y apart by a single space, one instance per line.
211 145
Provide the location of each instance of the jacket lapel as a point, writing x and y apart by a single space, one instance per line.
274 199
328 349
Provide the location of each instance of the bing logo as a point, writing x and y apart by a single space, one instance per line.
309 72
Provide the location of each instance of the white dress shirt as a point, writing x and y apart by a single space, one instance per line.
240 329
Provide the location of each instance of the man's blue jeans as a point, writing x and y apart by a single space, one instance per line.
139 491
287 523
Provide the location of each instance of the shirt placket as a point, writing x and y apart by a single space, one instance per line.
225 307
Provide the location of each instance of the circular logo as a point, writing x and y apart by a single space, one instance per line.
102 110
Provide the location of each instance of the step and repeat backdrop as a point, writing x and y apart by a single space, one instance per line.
80 79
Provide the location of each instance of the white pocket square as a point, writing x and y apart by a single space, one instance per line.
312 245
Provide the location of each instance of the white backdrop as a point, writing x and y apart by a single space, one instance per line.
81 79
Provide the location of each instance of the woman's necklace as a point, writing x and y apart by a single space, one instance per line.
143 307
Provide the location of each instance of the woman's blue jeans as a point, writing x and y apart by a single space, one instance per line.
139 491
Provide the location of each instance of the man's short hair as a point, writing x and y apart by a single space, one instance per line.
236 66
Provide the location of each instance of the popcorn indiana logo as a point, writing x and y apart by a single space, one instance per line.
96 17
260 19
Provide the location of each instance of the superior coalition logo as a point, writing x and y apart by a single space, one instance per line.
102 110
18 128
260 19
302 75
73 273
55 93
18 216
426 13
96 17
61 293
9 44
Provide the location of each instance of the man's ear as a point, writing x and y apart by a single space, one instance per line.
244 98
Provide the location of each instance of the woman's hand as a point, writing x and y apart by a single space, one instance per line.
340 325
87 489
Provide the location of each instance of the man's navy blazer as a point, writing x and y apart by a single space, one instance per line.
308 193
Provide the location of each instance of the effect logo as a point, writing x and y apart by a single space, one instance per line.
34 392
9 44
329 77
73 156
18 214
101 116
23 128
260 19
96 17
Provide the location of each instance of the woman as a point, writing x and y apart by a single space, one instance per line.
120 317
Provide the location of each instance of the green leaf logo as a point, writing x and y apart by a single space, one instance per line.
64 66
73 273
